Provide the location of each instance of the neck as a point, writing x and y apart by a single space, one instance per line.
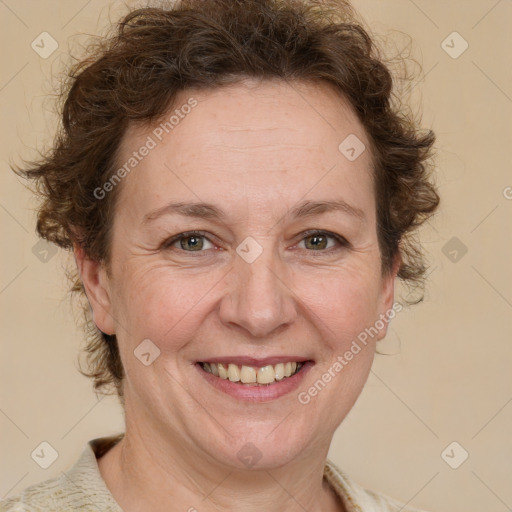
145 472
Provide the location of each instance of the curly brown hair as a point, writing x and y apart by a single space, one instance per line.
133 75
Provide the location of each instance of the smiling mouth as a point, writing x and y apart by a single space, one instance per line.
264 375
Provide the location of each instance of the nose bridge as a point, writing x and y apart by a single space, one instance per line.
259 301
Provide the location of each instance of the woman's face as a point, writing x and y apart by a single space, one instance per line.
245 166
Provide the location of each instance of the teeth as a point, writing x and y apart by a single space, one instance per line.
223 373
279 371
266 375
233 373
247 374
250 375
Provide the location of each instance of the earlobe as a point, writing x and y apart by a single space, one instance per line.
97 288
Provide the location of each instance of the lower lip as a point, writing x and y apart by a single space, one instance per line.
257 392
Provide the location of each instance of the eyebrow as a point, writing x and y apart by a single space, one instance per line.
209 211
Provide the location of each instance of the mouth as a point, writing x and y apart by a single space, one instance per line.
253 375
255 380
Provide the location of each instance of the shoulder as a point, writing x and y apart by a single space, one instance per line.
47 495
80 488
358 499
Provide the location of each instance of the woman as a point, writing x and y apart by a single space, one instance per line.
239 192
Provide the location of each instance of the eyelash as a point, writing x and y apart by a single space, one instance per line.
343 243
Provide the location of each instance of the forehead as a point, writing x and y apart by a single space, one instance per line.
255 141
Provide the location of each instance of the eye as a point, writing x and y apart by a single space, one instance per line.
192 241
315 241
318 241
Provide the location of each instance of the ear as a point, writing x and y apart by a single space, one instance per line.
388 296
97 288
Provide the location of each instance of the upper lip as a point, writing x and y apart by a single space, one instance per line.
258 362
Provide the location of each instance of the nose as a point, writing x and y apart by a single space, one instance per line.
258 300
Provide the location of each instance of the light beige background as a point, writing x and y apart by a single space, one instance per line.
450 379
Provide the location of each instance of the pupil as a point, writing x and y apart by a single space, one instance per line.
317 241
195 244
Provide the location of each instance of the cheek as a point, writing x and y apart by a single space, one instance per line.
163 305
170 306
342 308
342 303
